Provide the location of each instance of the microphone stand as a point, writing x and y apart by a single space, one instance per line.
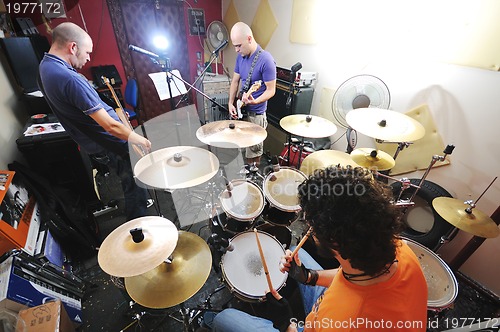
200 92
212 59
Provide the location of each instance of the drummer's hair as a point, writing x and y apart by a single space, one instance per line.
352 212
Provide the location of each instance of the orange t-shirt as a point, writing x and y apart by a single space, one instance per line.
398 304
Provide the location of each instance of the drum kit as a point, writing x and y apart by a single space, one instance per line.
163 267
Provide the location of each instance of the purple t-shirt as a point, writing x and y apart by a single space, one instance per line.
264 70
73 99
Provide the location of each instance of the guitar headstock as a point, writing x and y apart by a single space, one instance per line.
105 80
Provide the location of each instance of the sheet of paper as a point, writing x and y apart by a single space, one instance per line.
161 84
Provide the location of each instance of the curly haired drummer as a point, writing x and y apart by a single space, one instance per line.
379 284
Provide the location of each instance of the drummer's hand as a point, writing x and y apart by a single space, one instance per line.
281 311
285 261
294 267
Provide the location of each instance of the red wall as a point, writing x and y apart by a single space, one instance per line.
94 17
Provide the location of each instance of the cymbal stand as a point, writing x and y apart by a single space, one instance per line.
401 146
189 315
406 182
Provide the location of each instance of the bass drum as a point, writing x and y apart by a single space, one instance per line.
424 224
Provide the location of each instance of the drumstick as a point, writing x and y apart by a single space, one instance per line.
266 271
304 239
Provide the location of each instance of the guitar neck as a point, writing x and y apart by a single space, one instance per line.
119 110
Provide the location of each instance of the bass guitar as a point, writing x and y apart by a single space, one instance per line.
122 115
240 105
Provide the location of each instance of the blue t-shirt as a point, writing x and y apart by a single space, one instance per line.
73 99
264 70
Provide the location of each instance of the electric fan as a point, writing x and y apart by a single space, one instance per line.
216 35
361 91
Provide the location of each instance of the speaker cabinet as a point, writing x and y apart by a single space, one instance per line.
300 103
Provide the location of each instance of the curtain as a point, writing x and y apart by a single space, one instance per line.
137 22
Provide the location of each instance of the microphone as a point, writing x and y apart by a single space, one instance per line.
221 46
143 51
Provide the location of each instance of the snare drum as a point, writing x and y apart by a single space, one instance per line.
244 202
242 267
442 286
281 191
282 233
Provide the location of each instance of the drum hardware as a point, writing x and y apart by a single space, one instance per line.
372 158
406 183
309 126
385 125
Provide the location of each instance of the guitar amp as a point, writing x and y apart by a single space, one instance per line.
289 99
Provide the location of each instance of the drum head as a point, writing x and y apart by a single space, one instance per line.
244 202
281 188
243 269
442 286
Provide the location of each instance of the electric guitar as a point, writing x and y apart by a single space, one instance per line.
123 116
240 105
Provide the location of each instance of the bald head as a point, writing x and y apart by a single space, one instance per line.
241 29
242 39
72 44
68 32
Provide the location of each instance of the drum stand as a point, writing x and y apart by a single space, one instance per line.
190 315
405 204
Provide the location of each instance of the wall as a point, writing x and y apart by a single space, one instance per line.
425 53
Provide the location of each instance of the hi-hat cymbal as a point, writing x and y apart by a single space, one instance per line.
325 158
120 256
373 158
231 134
309 126
173 282
176 167
476 223
385 125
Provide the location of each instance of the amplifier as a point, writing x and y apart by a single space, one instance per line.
300 102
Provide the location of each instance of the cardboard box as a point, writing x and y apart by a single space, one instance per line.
16 212
48 317
23 285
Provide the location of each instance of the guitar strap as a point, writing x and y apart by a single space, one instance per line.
249 77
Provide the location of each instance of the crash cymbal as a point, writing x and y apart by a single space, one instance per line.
121 256
309 126
324 158
231 134
476 223
173 282
385 125
176 167
373 158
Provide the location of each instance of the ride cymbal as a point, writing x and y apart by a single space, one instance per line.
121 256
176 167
173 282
476 223
231 134
324 158
309 126
373 158
385 125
